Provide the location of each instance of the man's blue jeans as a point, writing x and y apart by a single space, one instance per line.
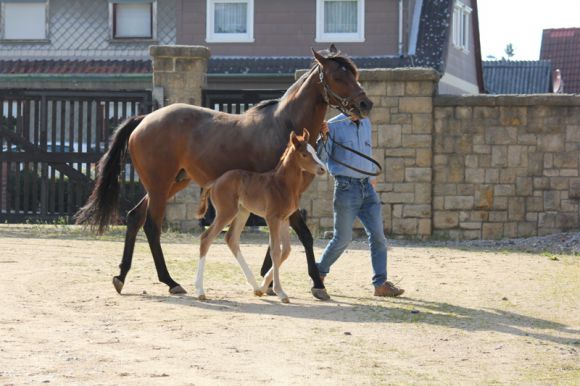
356 198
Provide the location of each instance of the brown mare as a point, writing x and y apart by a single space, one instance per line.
274 195
180 143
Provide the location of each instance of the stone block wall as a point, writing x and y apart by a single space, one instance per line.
505 166
180 72
402 119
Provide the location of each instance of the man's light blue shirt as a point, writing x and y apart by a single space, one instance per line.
343 130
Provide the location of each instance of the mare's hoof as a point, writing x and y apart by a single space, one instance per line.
177 290
270 292
285 300
201 297
118 284
320 293
258 292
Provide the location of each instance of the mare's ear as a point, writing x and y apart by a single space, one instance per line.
319 58
305 135
333 50
294 140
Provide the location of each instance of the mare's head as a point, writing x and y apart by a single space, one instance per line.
303 155
339 78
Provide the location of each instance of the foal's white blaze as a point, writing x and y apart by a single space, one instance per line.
199 277
313 153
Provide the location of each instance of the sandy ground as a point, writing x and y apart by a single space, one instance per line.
468 317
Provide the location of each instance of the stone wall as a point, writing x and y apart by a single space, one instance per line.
402 119
180 73
505 166
453 167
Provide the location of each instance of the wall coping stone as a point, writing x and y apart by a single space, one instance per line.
392 74
180 51
507 100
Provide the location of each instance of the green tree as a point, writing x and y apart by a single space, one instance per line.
509 51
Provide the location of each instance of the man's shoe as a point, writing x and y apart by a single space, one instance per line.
389 290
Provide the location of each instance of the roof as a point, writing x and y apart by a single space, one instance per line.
562 47
57 66
517 77
430 51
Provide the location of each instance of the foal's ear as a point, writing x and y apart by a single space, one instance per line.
333 50
319 58
305 135
294 140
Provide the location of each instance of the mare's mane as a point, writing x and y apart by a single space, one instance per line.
337 57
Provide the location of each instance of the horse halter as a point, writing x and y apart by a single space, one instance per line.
343 103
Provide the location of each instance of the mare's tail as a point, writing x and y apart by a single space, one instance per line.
202 208
101 207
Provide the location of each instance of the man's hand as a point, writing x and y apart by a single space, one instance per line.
324 131
374 183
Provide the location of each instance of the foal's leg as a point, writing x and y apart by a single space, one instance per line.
206 239
135 220
274 226
155 212
286 247
305 236
233 241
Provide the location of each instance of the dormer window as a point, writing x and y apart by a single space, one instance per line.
230 21
461 26
340 21
133 19
25 20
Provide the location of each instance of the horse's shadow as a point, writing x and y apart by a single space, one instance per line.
401 310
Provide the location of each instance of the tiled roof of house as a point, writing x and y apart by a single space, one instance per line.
58 66
517 77
562 47
431 51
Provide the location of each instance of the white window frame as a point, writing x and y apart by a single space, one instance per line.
212 37
130 38
46 23
461 26
356 37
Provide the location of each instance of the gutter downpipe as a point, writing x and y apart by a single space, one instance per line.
400 27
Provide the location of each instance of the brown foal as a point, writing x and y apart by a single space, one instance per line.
274 195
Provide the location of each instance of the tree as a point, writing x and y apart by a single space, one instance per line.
509 51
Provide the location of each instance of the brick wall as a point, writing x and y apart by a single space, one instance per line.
467 167
505 166
454 167
402 120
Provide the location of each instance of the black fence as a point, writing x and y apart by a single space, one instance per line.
50 144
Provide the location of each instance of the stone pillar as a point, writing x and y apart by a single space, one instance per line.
180 71
402 119
179 75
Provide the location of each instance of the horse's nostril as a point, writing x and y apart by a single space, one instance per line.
366 105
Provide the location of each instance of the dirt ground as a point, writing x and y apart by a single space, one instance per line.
468 316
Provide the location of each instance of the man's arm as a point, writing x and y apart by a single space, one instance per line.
323 145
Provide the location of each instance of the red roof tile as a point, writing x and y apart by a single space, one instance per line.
75 67
562 47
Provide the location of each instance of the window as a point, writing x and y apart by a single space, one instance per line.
133 19
340 21
25 20
461 26
230 21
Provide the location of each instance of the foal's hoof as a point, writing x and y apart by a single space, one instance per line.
201 297
320 293
177 290
270 292
285 300
118 284
258 293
